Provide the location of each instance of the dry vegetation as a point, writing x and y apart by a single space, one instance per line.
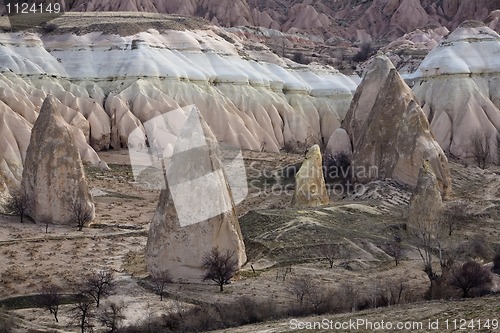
293 269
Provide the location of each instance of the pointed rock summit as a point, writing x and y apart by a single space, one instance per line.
425 202
196 211
53 175
310 188
390 132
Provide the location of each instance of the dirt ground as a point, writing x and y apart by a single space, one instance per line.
33 256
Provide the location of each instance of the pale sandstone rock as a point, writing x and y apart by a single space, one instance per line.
15 132
310 188
394 138
195 212
53 175
459 88
425 202
339 142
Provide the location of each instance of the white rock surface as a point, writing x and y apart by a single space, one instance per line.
458 86
53 177
106 86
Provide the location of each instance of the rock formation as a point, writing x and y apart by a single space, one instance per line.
253 100
425 202
339 142
458 87
389 132
377 18
53 176
195 212
310 188
15 132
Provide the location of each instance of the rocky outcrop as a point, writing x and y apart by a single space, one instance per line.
390 133
458 87
310 188
377 18
53 176
196 211
425 201
339 142
15 132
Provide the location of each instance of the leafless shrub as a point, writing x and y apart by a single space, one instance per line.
282 272
160 281
50 298
219 267
82 312
18 203
456 215
395 249
363 53
99 284
301 287
480 148
496 264
470 276
82 213
111 317
49 27
330 252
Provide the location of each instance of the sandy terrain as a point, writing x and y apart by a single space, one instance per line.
33 257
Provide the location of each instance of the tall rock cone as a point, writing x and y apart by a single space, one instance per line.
196 211
394 136
53 176
425 202
310 188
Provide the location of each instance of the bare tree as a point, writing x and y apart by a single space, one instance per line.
455 215
395 249
50 298
99 284
480 148
82 311
283 271
301 287
82 213
111 317
18 203
329 252
219 267
470 275
160 281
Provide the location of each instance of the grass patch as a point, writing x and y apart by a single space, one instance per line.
31 301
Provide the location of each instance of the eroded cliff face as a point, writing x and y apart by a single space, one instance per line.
458 87
106 86
376 18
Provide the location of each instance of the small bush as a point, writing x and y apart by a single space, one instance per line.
49 27
471 278
364 52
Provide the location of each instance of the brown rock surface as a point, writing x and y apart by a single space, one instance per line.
394 137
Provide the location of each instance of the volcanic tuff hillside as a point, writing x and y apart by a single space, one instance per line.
346 18
107 85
